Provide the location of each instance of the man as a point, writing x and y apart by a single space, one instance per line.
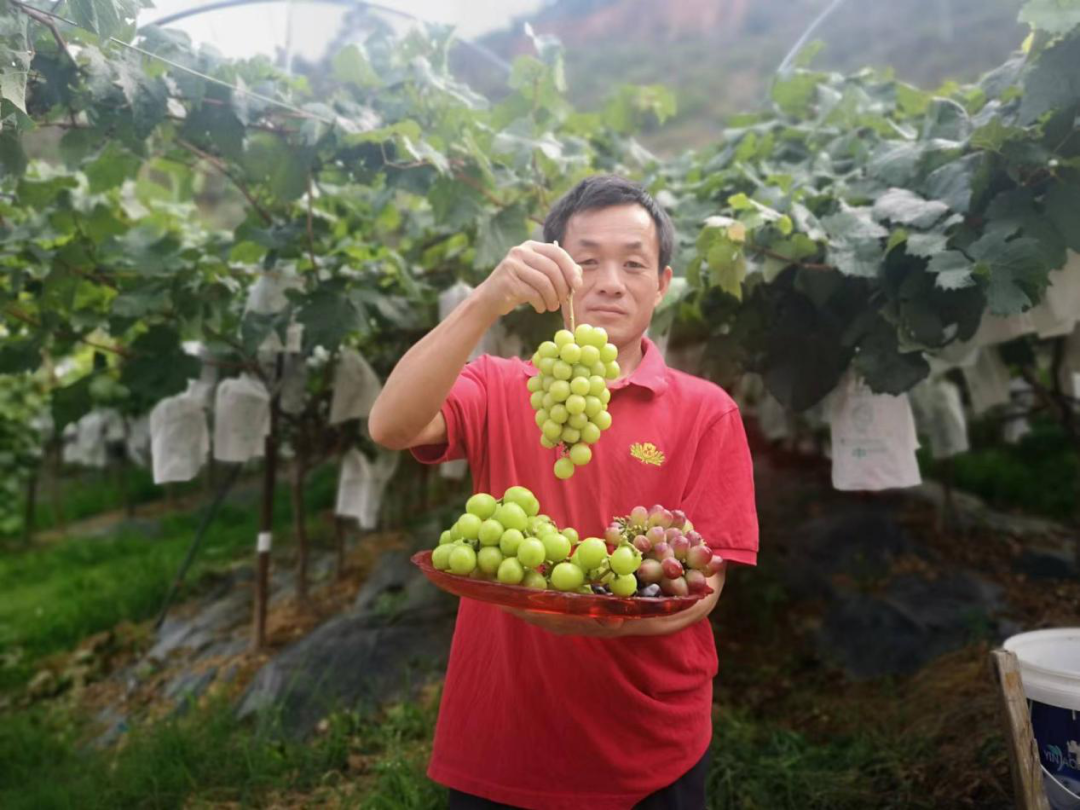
566 712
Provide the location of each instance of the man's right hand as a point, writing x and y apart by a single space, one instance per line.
536 273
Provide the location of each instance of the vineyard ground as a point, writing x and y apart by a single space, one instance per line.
791 730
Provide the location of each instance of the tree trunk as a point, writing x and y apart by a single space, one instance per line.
339 547
299 475
31 507
266 525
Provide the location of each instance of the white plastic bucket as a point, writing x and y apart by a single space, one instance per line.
1050 673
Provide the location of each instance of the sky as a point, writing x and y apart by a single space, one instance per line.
264 27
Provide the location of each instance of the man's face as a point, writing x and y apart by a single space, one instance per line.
618 249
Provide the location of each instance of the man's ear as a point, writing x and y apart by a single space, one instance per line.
665 282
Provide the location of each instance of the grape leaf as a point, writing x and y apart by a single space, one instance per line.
1052 16
885 368
953 270
496 235
1016 271
1063 209
1053 81
907 208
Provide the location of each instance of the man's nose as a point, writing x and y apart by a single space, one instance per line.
609 279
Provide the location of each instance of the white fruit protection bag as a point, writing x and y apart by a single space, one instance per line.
241 419
356 386
179 438
362 484
939 415
987 381
873 439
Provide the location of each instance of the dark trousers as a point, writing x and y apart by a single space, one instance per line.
685 793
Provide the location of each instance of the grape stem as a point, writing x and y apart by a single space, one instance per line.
571 300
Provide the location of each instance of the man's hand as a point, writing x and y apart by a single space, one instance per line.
537 273
614 627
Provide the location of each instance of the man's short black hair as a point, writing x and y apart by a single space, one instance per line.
605 191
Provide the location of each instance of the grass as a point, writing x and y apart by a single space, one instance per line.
54 595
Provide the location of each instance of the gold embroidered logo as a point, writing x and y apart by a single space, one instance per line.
647 453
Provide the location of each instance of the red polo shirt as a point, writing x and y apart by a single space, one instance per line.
542 721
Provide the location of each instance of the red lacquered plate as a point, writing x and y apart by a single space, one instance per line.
566 604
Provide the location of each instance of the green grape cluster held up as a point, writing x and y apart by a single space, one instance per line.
570 394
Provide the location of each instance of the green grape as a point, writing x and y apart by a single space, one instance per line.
490 532
455 532
624 585
570 436
593 406
560 390
469 526
541 417
597 383
570 353
552 429
577 421
524 498
608 353
599 368
583 334
482 505
547 443
509 542
512 516
535 359
547 366
579 386
591 552
625 560
548 401
580 454
534 579
567 577
562 370
575 404
564 468
462 560
536 399
602 420
548 349
613 370
605 396
510 571
531 552
589 355
559 414
581 371
535 384
440 557
562 337
556 546
572 536
445 538
590 434
598 338
545 386
489 559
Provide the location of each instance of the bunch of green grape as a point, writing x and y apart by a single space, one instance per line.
570 394
506 539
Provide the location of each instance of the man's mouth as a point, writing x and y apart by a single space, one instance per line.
608 310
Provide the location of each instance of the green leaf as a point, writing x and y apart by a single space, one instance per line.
1053 81
885 368
1063 209
1052 16
269 160
795 93
896 163
351 66
111 167
927 244
328 317
496 235
1016 271
907 208
14 72
946 120
953 270
853 224
106 18
804 355
953 183
159 367
994 134
71 402
19 356
1015 211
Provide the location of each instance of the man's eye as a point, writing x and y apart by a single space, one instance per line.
587 262
635 265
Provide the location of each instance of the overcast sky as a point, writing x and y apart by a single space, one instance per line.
263 27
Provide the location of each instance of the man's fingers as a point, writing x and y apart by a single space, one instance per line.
570 269
549 268
540 283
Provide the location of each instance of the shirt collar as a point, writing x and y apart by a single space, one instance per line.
651 372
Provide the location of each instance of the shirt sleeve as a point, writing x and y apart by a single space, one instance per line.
719 499
465 412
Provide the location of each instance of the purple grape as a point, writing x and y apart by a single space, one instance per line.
642 544
694 538
680 545
698 557
672 533
661 551
656 535
672 568
678 518
613 536
639 515
650 571
674 587
695 581
715 564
